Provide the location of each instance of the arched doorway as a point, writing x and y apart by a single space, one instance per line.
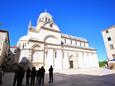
71 62
37 56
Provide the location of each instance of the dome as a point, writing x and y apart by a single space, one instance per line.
45 17
24 38
45 14
28 37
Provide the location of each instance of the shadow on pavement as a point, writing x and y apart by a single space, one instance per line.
69 80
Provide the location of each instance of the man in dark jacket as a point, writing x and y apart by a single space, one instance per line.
42 75
28 73
33 75
50 74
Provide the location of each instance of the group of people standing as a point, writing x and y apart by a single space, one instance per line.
32 76
19 75
35 75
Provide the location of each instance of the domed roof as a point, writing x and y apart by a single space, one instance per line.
45 17
24 38
45 14
28 37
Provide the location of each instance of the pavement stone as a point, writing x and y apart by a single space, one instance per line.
81 77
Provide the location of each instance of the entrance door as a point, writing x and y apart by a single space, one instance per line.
71 64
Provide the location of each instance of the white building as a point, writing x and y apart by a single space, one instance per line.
46 45
109 40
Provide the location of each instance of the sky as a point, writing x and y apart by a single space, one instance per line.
81 18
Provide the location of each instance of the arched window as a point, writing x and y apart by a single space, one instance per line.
65 40
48 20
71 41
55 54
63 54
45 19
75 42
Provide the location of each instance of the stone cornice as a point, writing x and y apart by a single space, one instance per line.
75 39
65 50
64 46
33 30
70 46
42 42
50 29
36 63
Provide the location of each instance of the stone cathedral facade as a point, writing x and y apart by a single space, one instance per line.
46 45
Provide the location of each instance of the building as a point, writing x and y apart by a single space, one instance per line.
4 47
46 45
109 40
14 55
12 59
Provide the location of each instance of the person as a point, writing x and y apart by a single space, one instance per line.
50 74
28 73
16 76
39 76
33 75
21 73
42 74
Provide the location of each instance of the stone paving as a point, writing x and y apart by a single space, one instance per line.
82 77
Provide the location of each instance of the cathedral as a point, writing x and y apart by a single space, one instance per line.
46 45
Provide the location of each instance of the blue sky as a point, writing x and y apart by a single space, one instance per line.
82 18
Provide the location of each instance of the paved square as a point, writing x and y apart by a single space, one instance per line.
87 77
